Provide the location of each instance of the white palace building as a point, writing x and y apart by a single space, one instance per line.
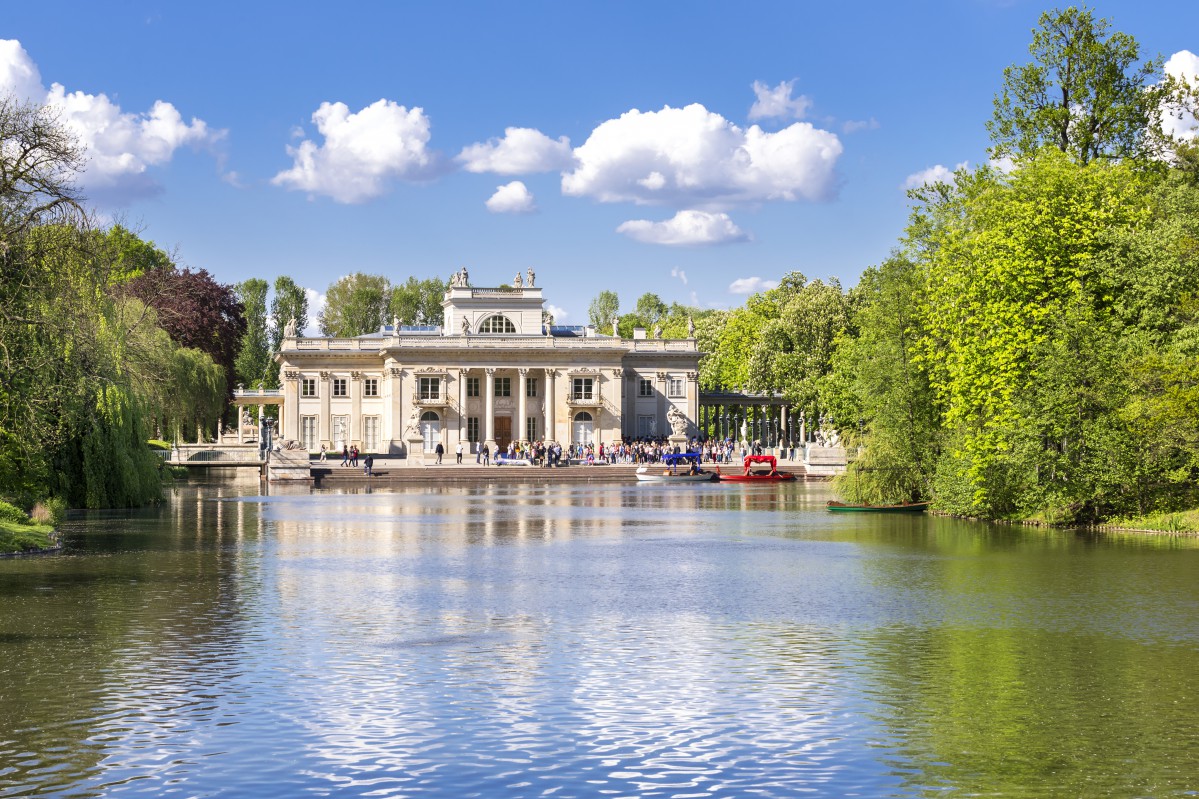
493 373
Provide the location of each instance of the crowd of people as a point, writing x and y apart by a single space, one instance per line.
630 451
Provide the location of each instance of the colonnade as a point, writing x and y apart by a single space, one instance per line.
769 422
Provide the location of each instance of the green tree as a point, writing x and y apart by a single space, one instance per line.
650 308
253 363
354 305
290 302
417 302
876 383
1083 93
603 308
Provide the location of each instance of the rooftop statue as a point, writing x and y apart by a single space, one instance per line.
517 281
532 276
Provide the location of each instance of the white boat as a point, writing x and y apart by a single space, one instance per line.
682 468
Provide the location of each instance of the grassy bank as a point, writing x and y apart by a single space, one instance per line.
18 537
1186 521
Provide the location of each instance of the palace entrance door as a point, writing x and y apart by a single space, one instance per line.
503 432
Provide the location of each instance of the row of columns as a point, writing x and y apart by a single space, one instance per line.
773 425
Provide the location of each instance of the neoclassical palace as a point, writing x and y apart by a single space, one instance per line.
493 373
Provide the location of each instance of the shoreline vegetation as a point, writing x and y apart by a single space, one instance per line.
22 533
1028 353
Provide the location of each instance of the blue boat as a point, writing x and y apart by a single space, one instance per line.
682 467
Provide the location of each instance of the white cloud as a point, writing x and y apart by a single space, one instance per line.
1185 65
691 157
778 102
751 285
520 152
18 74
363 152
558 313
316 304
121 147
679 273
934 174
855 125
685 228
511 198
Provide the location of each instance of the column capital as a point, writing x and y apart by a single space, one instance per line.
523 370
290 375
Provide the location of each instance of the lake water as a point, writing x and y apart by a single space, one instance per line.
592 641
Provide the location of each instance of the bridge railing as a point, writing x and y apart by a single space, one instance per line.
200 454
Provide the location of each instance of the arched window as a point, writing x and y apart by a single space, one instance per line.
497 324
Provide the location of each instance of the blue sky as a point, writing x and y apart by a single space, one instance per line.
695 150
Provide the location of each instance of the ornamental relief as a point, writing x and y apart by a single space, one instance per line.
503 403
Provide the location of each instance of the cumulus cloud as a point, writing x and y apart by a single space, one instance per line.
778 102
522 151
558 313
511 198
934 174
694 228
691 157
679 273
121 146
362 154
316 305
751 285
1181 123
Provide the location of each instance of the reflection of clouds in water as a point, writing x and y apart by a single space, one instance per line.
706 707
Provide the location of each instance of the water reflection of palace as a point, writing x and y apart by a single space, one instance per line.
497 371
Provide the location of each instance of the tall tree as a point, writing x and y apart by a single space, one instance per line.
253 362
196 311
650 308
603 308
417 302
355 305
40 158
290 302
1084 92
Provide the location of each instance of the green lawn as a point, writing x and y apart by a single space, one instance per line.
21 537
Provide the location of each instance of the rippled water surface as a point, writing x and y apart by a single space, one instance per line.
588 641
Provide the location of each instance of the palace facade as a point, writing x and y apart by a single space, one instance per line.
494 372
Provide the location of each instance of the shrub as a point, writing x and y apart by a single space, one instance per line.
51 512
11 513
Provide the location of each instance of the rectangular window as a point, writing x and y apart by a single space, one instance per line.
645 388
472 387
531 427
339 387
370 387
341 429
308 387
583 387
370 433
677 387
472 428
308 432
430 388
530 387
645 427
503 387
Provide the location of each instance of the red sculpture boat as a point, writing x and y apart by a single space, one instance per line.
768 474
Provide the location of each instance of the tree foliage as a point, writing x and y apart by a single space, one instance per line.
603 309
355 305
253 364
1084 93
196 311
417 302
290 302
